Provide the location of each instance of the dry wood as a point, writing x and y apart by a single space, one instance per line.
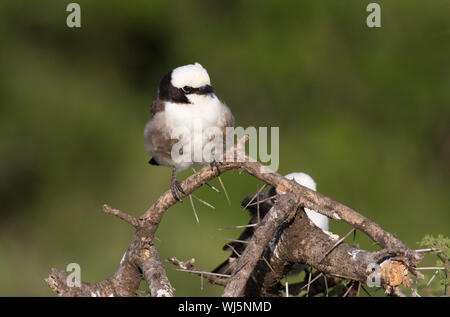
299 242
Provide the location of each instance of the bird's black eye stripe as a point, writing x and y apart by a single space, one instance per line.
187 89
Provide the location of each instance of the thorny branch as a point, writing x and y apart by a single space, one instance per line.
267 259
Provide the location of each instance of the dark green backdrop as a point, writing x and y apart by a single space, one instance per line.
365 112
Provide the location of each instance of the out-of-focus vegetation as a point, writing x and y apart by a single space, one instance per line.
440 272
365 112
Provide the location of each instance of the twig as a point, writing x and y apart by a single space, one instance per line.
188 266
263 234
120 214
154 273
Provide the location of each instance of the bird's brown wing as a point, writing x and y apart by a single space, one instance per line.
157 106
162 149
158 141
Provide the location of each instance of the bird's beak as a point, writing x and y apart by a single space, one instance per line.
207 89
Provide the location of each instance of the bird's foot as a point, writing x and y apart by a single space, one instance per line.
176 188
216 165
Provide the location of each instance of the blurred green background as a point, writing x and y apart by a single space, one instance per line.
365 112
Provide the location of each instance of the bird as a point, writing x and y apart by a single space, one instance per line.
304 179
267 200
185 102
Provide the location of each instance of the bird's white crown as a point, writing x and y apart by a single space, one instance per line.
303 179
193 75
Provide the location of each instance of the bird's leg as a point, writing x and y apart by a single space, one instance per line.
174 186
216 165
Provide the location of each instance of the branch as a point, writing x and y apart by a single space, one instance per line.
285 207
302 242
121 215
142 256
154 272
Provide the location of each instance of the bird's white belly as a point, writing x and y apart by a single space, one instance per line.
191 124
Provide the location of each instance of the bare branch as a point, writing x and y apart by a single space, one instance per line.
154 272
285 207
120 214
342 260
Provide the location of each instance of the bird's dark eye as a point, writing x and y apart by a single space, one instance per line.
187 89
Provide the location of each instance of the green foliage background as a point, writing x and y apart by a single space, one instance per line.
365 112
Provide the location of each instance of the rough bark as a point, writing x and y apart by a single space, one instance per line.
299 242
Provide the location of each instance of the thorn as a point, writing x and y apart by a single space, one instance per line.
326 284
234 250
203 202
261 201
336 244
287 287
364 289
432 278
234 240
258 214
238 227
428 250
348 291
309 283
430 268
268 264
257 193
224 190
193 208
208 184
203 272
313 280
201 282
212 187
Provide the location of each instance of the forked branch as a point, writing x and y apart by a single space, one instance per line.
141 260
